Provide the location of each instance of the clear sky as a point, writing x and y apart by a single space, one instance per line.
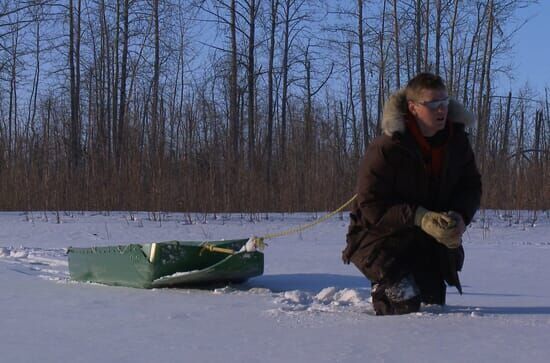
531 55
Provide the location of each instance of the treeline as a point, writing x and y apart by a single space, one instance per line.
245 105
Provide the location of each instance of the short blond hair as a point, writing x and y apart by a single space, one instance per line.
423 81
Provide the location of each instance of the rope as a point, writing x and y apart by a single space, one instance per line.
259 242
210 247
309 225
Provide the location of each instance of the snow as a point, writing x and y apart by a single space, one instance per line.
250 246
307 307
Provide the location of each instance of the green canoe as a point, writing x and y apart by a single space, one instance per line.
166 264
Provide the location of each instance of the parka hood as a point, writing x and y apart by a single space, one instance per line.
396 109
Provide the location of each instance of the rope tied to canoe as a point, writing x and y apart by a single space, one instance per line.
212 248
258 243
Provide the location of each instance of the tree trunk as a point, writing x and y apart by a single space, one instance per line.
115 78
362 71
418 35
12 113
485 85
427 38
469 61
308 152
382 68
437 35
251 81
155 92
451 75
121 140
74 68
396 40
354 128
233 106
36 79
284 69
507 125
270 96
537 145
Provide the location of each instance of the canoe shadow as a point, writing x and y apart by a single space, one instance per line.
313 282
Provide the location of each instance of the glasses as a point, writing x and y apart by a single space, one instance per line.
434 105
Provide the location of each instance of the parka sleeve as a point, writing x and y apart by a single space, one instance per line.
466 199
377 199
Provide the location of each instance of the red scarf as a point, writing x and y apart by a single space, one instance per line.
433 156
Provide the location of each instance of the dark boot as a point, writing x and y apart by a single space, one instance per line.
434 294
428 275
398 298
432 287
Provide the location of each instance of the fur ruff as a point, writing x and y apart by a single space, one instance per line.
395 111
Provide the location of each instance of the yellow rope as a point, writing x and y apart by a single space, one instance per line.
260 241
260 244
210 247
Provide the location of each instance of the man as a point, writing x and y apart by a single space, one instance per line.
418 188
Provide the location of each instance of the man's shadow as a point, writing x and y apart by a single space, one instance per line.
489 310
497 310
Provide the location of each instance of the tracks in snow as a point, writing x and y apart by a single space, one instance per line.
48 264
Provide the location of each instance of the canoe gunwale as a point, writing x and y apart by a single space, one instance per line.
163 264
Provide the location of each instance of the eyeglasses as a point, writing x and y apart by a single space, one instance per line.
434 105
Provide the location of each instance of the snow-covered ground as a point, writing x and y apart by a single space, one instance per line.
307 307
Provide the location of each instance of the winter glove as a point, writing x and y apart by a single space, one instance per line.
455 240
440 226
459 221
451 242
460 226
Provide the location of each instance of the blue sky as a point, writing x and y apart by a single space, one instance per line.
531 55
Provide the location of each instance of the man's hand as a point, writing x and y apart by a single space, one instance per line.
460 226
455 240
446 228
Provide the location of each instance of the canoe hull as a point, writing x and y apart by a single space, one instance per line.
164 264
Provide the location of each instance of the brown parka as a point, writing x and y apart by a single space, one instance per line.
382 240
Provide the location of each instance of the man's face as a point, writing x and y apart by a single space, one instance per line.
430 110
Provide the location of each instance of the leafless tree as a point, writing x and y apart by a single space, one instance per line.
244 105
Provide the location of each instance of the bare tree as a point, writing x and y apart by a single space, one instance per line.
146 105
451 75
418 34
270 88
253 8
438 11
397 45
480 19
354 128
12 112
484 97
427 33
121 127
382 67
363 80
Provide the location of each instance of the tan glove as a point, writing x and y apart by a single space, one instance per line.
460 226
451 242
455 240
440 226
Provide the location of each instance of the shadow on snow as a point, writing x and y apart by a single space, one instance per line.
499 310
313 282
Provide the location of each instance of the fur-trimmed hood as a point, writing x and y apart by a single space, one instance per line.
395 111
